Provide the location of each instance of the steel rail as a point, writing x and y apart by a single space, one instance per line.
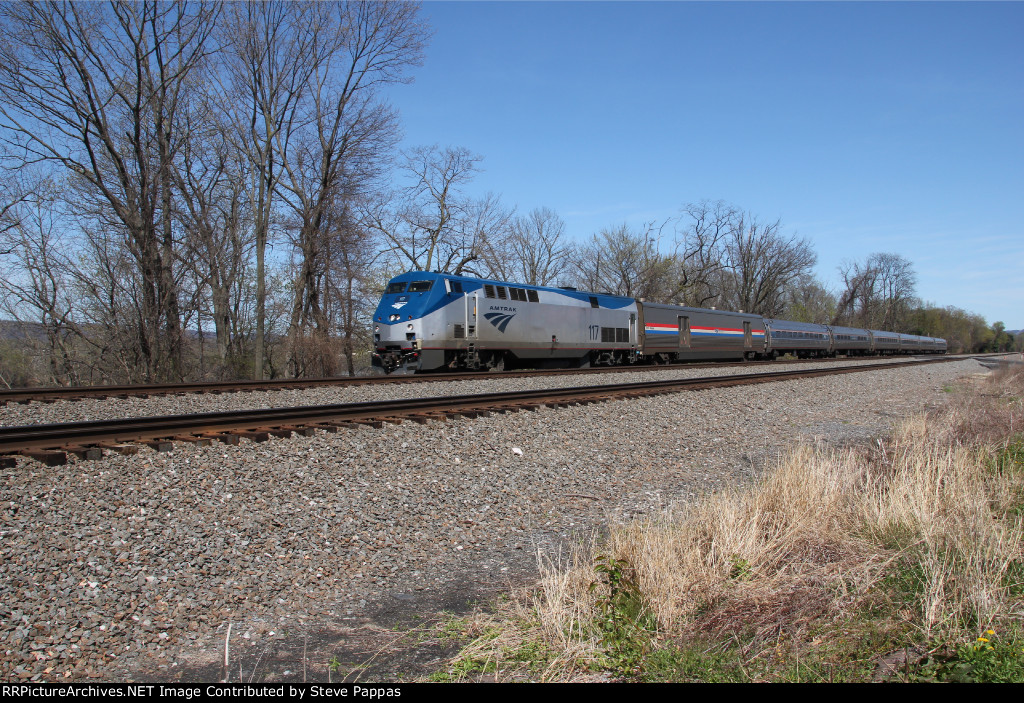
15 439
48 394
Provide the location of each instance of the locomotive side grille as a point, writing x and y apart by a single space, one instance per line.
614 334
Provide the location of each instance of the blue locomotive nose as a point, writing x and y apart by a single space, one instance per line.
407 297
397 322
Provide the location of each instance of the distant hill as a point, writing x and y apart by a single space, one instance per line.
14 331
11 331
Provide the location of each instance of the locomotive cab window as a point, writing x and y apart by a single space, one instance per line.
420 286
396 287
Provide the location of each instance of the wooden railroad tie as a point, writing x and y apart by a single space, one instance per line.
194 439
89 453
304 430
253 435
423 418
368 422
281 432
160 445
224 437
48 457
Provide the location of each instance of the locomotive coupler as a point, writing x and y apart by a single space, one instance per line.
389 361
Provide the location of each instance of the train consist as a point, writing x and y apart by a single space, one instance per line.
432 321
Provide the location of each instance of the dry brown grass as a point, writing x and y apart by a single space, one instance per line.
811 540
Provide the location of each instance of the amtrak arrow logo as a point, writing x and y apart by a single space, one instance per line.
499 320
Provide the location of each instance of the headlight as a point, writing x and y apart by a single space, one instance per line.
395 318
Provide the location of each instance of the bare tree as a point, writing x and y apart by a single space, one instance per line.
622 261
217 245
352 291
698 252
96 89
676 261
35 272
896 283
338 156
807 300
431 224
761 263
485 222
273 49
534 251
310 119
878 292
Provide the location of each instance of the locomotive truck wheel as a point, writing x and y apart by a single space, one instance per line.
498 363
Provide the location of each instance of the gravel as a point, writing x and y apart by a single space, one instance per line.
114 408
129 563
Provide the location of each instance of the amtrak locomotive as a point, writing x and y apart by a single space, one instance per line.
432 321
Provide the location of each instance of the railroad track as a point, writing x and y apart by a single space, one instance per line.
51 444
53 393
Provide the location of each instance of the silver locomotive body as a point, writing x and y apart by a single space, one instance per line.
429 321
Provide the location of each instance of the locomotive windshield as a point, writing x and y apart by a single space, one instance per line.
398 287
420 286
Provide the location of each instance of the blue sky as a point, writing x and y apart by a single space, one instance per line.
864 127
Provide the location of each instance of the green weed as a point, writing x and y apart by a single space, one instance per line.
624 622
741 570
991 658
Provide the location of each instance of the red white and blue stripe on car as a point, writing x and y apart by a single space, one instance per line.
662 328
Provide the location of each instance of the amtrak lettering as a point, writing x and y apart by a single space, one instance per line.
502 308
